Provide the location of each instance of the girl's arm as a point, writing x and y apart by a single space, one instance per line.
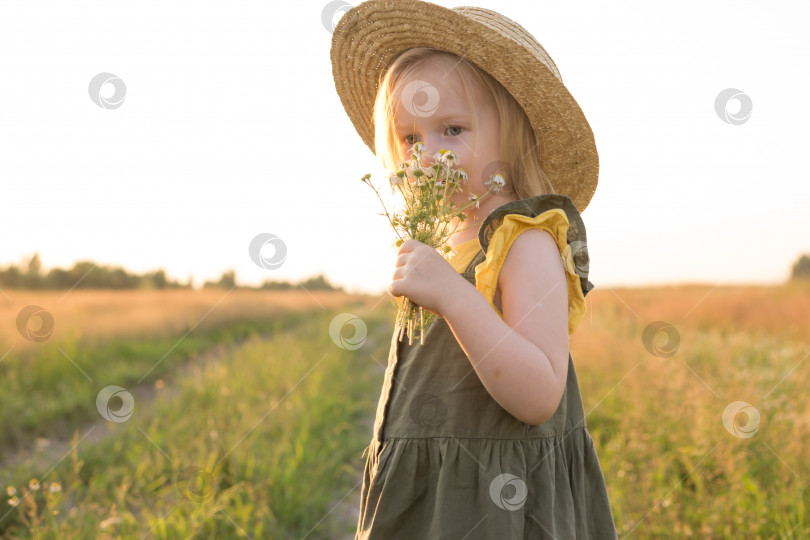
522 359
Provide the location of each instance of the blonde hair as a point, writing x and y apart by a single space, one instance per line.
518 145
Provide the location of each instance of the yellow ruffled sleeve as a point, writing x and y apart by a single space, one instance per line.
555 222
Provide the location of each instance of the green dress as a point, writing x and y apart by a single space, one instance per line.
447 461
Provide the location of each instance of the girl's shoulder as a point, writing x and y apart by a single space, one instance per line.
554 213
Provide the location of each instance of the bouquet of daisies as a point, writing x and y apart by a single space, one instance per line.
427 216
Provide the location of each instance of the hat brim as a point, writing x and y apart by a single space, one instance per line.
371 35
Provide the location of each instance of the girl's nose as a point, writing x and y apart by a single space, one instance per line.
431 147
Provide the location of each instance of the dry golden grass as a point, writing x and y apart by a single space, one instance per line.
156 313
669 462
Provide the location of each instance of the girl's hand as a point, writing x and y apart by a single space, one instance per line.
424 276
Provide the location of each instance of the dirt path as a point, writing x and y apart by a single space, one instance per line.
41 454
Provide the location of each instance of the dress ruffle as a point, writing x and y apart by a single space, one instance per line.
479 488
554 213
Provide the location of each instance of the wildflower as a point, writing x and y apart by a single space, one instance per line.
11 490
449 157
428 215
498 182
55 487
33 484
14 501
421 180
394 180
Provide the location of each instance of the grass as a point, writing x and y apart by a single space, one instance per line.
51 389
671 466
264 442
123 338
259 444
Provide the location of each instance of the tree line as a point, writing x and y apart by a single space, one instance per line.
90 275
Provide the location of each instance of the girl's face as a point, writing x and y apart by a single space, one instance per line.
433 110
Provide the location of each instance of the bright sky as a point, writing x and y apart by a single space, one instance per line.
231 127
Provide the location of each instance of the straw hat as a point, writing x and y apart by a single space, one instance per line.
371 35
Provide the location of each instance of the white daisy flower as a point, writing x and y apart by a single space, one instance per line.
449 157
498 180
394 180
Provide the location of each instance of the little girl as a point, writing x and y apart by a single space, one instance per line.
480 431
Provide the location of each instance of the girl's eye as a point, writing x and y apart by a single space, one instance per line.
409 140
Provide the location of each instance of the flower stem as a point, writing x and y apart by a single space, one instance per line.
386 211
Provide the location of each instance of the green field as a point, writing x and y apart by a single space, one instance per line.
253 425
252 429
